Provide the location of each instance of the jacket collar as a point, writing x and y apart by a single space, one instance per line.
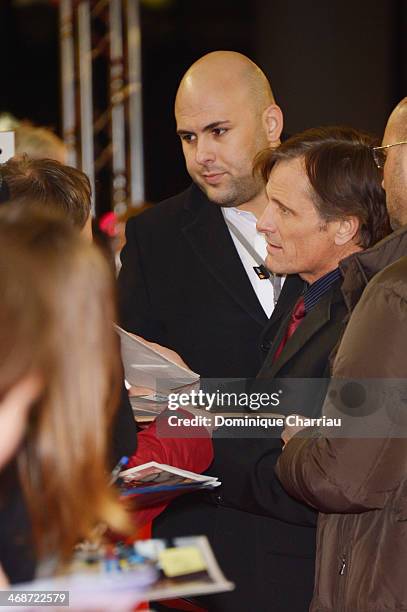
207 234
358 269
319 316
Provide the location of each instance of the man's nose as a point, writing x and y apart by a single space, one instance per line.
266 222
204 152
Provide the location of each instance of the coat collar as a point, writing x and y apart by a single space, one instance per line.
358 269
319 316
207 233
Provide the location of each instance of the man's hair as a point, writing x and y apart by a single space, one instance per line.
343 176
48 183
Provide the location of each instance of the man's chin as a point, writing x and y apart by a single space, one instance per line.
216 195
272 266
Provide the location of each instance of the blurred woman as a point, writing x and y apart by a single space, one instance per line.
60 377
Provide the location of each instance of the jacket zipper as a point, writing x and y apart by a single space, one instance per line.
345 543
343 571
344 565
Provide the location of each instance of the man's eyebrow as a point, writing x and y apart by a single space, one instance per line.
207 128
215 124
277 201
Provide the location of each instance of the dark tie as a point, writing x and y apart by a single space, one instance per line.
297 316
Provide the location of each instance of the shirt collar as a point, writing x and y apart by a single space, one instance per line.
232 211
313 293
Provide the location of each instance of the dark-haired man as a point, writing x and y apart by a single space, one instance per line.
357 480
325 206
325 203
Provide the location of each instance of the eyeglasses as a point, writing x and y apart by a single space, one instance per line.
380 153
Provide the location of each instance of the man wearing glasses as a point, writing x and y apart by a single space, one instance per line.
358 479
392 157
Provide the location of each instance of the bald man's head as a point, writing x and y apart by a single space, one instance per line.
398 120
225 113
395 168
227 70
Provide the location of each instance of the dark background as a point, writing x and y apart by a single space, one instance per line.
329 62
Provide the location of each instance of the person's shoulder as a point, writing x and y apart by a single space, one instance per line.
163 212
385 296
392 278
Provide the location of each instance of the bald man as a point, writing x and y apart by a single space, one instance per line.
360 485
191 277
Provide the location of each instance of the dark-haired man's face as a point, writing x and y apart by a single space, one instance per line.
298 239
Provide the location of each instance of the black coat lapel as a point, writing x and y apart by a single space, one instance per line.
209 237
319 316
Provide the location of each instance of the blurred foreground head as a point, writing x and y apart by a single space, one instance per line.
39 142
59 367
52 185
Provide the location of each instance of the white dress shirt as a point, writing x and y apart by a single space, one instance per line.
245 222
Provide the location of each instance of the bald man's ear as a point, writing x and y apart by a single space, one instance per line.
347 230
273 124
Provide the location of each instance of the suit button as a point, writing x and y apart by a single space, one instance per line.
265 346
219 498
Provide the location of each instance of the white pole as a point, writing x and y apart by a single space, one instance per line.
135 103
68 79
117 107
86 101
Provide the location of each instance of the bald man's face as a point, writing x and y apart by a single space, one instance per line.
395 177
220 134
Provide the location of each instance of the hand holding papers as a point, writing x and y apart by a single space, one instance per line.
150 365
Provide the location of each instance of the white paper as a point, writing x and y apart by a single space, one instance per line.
132 472
6 146
146 367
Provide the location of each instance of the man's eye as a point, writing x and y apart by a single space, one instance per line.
219 131
284 210
188 137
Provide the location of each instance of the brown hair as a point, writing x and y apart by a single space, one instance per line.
344 178
56 316
49 183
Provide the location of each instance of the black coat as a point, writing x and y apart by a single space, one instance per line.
264 540
182 284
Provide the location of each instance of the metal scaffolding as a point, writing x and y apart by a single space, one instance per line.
105 139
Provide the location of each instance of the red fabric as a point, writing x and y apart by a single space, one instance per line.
193 454
297 316
144 533
181 604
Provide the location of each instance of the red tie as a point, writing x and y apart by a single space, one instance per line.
297 316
